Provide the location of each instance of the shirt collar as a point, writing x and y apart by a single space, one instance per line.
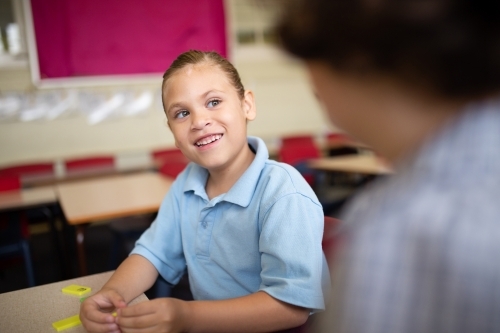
242 191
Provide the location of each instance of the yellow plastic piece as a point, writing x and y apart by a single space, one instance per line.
67 323
75 289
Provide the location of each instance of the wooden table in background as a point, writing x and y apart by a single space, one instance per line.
93 200
365 164
35 309
26 198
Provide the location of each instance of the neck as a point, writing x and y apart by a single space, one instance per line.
221 180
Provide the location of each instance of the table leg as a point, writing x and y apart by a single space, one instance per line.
82 261
51 213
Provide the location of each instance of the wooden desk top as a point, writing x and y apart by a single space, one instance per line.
27 197
112 197
35 309
88 173
367 164
343 142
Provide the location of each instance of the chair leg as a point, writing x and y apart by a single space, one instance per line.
28 263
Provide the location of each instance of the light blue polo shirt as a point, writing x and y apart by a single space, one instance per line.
263 234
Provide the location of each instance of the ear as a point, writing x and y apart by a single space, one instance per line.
248 104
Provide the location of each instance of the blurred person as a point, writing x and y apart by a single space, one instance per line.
419 81
246 229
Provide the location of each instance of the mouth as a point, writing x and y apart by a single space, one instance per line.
208 140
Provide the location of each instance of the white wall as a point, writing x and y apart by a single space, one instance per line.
285 105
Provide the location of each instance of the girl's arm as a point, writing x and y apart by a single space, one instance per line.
133 277
258 312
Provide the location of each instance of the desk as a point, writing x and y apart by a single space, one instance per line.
35 309
366 164
26 198
87 173
105 198
343 142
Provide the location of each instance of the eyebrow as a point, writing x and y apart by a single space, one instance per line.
175 105
179 105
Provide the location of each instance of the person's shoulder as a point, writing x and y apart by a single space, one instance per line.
426 210
282 178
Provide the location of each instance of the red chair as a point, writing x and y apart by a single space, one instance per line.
296 151
298 139
32 169
170 154
338 144
170 162
172 168
9 182
14 231
94 163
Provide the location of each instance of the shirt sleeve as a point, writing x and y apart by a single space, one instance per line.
161 243
294 268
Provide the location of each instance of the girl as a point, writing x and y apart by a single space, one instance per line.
247 229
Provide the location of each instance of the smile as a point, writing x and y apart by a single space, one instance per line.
208 139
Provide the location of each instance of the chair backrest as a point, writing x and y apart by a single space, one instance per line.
297 152
297 139
166 155
172 168
330 236
90 163
32 169
9 182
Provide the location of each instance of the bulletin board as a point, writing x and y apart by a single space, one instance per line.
73 42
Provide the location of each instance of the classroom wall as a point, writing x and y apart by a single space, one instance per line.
285 105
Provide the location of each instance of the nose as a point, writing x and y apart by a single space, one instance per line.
200 119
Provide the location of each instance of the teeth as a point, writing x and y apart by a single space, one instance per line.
208 140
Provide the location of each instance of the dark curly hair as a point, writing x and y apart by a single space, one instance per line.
450 47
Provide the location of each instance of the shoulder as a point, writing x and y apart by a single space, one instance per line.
427 215
280 180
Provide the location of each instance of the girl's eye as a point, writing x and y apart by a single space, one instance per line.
181 114
214 102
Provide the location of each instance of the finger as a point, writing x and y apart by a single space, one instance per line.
146 323
116 299
94 313
91 326
140 309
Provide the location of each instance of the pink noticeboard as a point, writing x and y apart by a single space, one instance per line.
79 38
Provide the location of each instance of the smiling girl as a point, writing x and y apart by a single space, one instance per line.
247 229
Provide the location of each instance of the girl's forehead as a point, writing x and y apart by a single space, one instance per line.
206 72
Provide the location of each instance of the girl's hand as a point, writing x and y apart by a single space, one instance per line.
158 315
96 311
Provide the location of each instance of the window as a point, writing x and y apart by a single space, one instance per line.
12 47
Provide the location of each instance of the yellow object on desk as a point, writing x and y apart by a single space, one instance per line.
76 290
67 323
